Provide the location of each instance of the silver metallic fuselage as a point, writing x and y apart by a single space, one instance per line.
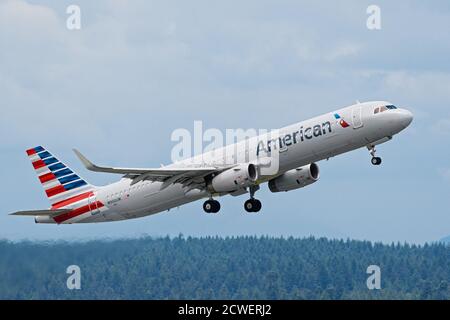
125 201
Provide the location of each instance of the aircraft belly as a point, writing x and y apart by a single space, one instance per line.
170 197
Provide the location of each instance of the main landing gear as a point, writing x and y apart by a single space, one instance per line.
252 204
376 161
211 206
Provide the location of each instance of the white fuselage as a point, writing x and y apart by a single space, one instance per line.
302 143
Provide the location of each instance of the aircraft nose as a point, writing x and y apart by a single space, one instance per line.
406 117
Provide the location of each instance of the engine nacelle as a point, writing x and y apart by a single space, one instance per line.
241 176
295 179
43 219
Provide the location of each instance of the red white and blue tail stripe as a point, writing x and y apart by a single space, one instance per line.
60 183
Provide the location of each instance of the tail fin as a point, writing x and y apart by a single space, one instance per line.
59 182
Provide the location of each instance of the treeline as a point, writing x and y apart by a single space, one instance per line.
224 268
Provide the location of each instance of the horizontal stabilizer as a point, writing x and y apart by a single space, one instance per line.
50 213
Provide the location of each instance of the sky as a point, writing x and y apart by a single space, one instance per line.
138 70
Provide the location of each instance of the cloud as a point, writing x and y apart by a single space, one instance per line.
343 51
150 57
135 72
442 126
19 17
427 83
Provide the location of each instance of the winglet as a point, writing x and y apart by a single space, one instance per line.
88 164
93 167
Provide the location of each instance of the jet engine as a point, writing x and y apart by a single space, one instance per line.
295 178
241 176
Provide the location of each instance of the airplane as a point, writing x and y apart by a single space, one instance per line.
235 169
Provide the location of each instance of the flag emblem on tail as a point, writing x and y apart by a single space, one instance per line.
58 181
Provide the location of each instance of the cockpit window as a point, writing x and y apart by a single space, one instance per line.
383 109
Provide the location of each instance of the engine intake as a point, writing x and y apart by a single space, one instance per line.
295 179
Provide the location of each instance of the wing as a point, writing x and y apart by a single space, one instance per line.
192 177
51 213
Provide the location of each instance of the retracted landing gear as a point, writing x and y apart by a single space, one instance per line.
376 161
252 204
211 206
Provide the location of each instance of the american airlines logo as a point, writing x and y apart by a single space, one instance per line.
303 134
342 122
211 144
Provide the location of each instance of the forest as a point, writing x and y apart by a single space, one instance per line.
223 268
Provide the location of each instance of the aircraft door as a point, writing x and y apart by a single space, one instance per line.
357 117
92 202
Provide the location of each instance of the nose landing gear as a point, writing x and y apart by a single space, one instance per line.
376 161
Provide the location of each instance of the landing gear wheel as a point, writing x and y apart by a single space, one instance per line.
376 161
216 206
248 205
207 206
252 205
211 206
258 205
